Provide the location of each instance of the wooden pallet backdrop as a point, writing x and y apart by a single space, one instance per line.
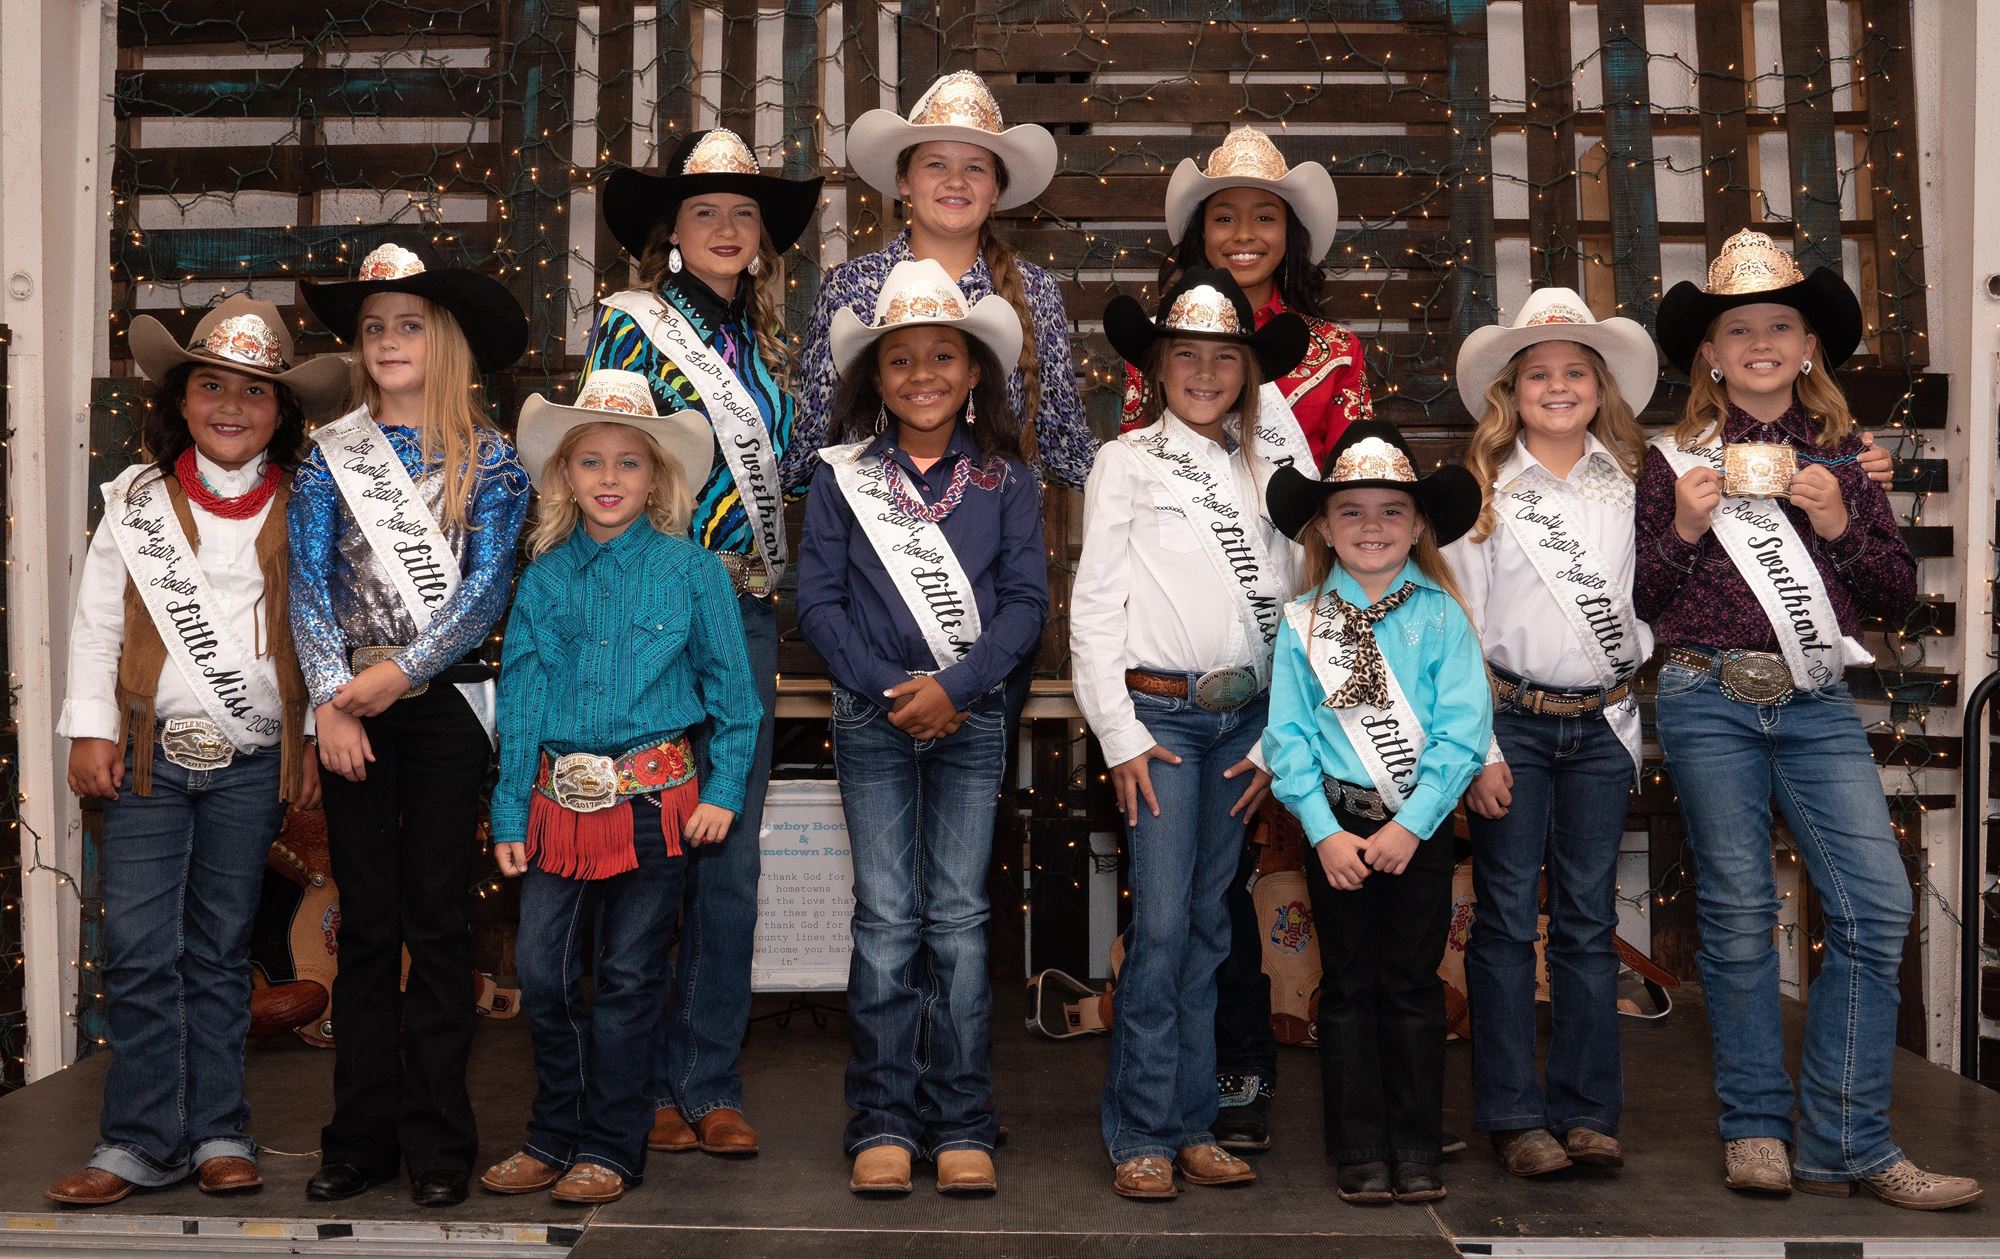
261 144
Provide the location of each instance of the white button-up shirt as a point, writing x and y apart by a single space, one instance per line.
1521 627
1147 595
227 556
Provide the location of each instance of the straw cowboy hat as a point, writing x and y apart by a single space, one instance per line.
920 291
1206 303
959 107
485 310
247 336
1558 314
609 396
1246 158
1751 270
706 161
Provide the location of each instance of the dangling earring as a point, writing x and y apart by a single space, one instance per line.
1805 368
756 266
674 260
1715 374
970 413
882 418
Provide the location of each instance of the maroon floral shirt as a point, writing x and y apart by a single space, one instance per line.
1693 595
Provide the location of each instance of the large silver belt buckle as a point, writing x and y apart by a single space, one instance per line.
583 783
362 657
1362 804
1755 677
747 574
195 744
1225 690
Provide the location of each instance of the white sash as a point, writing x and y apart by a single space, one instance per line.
384 501
1773 561
1390 740
914 551
1280 439
1598 610
1229 535
219 669
739 426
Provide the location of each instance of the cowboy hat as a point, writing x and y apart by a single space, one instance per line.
920 291
1205 302
1752 270
1246 158
706 161
247 336
486 311
958 107
609 396
1373 454
1558 314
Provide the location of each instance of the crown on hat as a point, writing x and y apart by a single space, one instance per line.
1372 459
922 300
1556 312
959 99
1246 153
616 393
1751 262
1204 309
720 152
245 339
390 262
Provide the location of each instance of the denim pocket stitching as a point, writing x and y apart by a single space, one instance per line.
1694 681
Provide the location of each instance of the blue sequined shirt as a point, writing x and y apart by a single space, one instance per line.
1062 430
342 597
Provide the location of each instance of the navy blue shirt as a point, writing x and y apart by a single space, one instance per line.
852 613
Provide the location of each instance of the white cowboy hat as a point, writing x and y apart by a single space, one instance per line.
614 397
1558 314
1246 158
958 107
921 291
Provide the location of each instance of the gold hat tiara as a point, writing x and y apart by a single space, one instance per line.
1246 153
1203 309
1751 262
959 99
616 393
720 152
245 339
1372 459
391 262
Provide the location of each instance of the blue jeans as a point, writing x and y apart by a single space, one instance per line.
698 1043
1159 1093
183 868
919 1004
1729 759
590 1106
1571 781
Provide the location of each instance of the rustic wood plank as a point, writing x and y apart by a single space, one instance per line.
1815 170
1670 872
439 92
1635 216
1895 184
861 90
1386 11
803 155
535 121
617 36
1210 101
1298 47
167 23
1471 190
1552 180
737 108
1141 197
307 167
1724 96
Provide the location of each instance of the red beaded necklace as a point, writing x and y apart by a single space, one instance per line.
243 506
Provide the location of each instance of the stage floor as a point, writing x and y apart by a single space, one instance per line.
1055 1197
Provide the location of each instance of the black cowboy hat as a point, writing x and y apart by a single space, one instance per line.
487 313
1373 454
1223 314
706 161
1749 271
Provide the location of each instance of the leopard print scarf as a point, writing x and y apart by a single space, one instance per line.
1369 683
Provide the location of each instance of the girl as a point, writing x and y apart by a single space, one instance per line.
635 627
953 164
1270 226
706 330
922 583
1758 601
1379 718
1547 576
1175 607
403 526
198 695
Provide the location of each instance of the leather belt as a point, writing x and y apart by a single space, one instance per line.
1545 703
584 783
1363 802
1219 690
1748 677
747 574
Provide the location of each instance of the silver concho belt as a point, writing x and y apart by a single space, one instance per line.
195 744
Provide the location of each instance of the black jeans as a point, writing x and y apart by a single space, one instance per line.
1244 1042
402 843
1381 1004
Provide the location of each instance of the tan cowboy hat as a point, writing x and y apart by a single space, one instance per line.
959 107
1558 314
921 291
1246 158
614 397
248 336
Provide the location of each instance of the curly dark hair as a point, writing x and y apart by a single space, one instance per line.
1299 279
163 432
997 430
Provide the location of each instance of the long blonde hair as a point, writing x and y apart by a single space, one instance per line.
1320 560
1153 395
454 417
765 300
668 506
1493 438
1817 391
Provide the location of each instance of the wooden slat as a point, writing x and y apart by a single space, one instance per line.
738 89
1410 12
674 46
803 156
861 91
1815 170
442 92
1210 101
1209 47
1141 197
616 35
1552 187
1670 869
1471 197
1635 216
310 167
167 23
1894 182
534 135
1724 97
1411 156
